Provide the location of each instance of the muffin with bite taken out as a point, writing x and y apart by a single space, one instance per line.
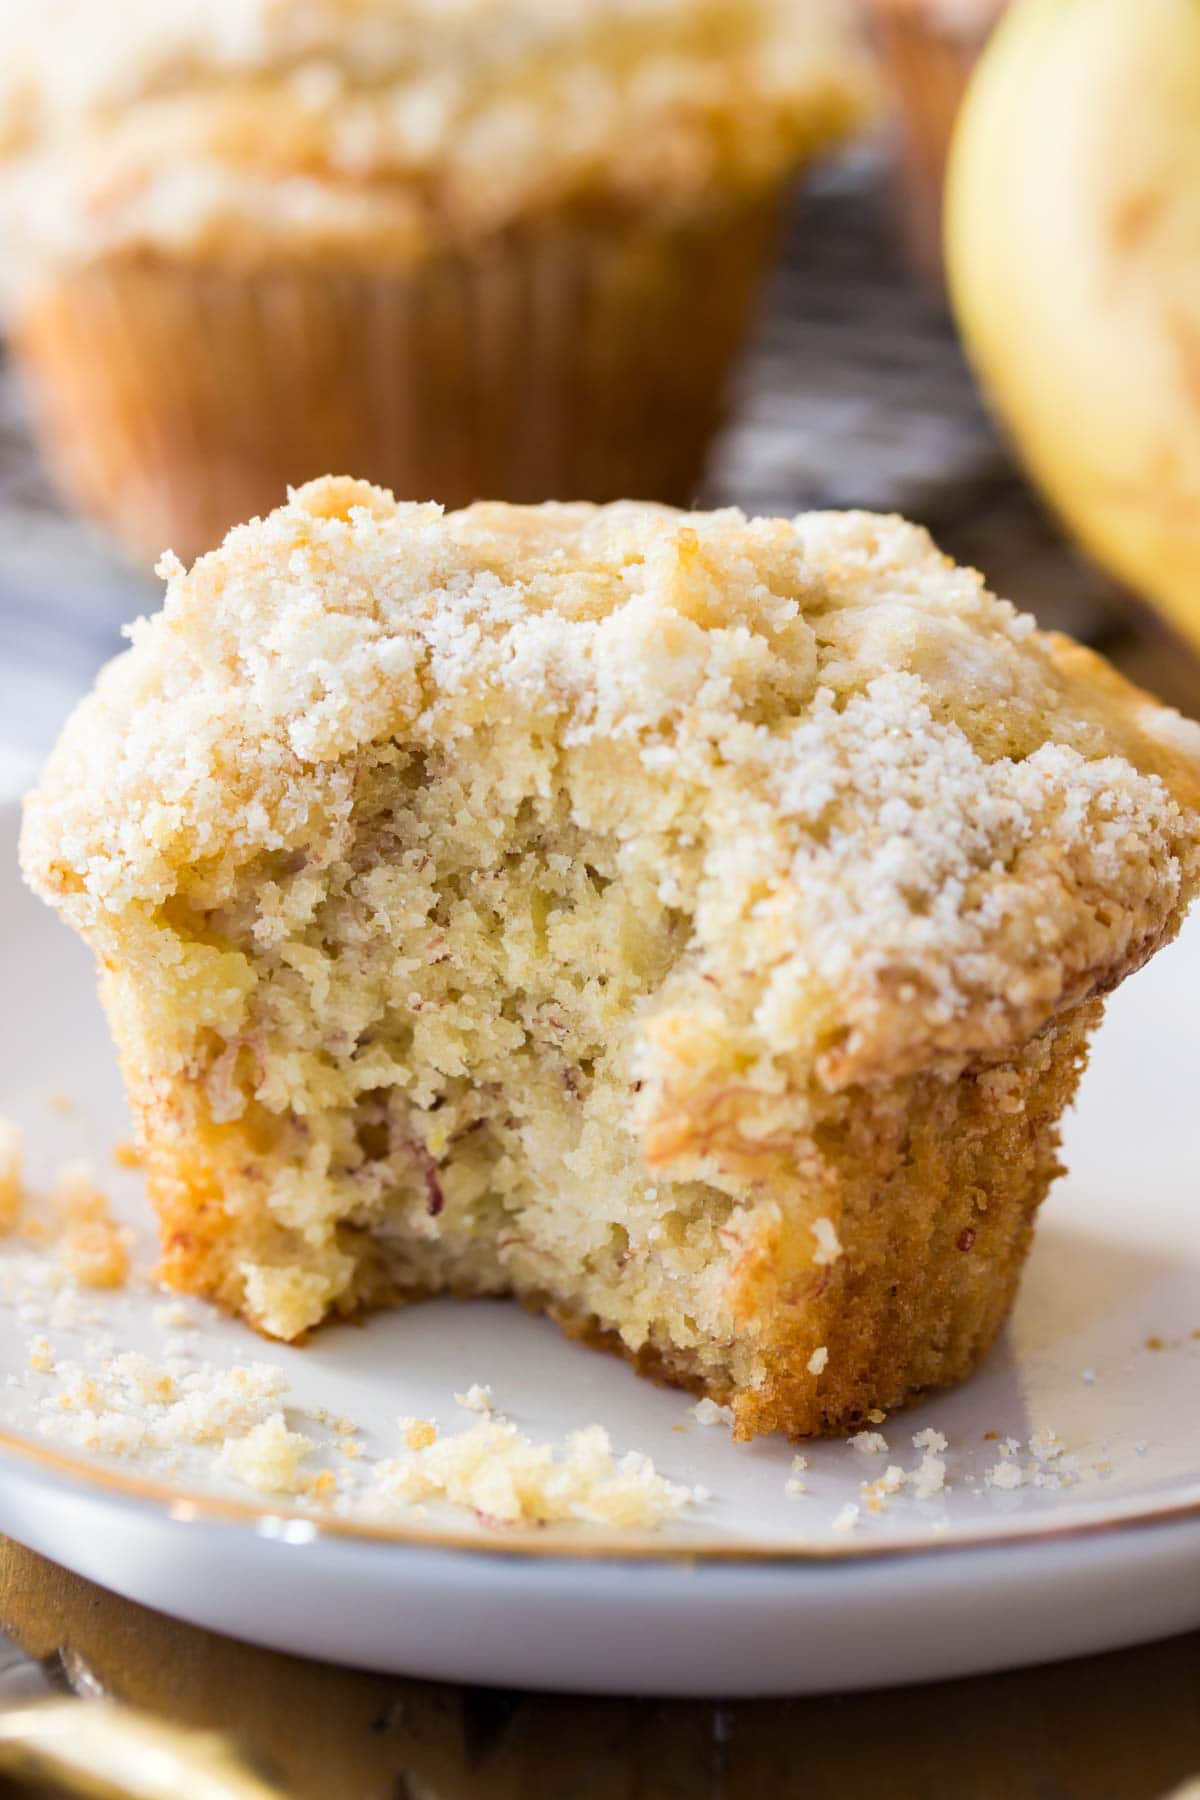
690 924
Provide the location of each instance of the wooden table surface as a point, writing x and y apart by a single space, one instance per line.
1119 1727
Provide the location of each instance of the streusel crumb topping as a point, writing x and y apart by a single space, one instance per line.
907 827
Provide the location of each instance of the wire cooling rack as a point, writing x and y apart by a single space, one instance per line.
854 393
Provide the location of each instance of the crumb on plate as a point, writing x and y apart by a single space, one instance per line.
269 1458
506 1479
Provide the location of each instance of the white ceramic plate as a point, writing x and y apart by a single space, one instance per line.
753 1591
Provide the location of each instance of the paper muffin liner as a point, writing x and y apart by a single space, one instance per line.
928 49
173 400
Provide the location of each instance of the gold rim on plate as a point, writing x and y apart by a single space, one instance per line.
196 1506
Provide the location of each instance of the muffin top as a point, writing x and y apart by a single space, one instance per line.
904 829
246 128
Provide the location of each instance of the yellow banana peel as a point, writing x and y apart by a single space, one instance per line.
1073 257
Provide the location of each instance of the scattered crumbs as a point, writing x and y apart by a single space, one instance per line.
829 1247
929 1476
1050 1465
94 1247
126 1154
868 1443
147 1383
172 1315
1089 1378
877 1493
131 1405
340 1423
933 1441
709 1412
268 1457
418 1434
507 1479
60 1103
217 1403
12 1157
1155 1343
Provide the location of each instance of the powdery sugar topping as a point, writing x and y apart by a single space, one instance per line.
908 828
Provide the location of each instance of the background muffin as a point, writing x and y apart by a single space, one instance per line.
491 246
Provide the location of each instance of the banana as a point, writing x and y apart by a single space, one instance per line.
1073 258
